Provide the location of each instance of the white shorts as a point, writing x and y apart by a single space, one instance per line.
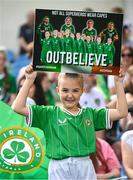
73 168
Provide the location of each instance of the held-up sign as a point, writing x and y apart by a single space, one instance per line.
77 41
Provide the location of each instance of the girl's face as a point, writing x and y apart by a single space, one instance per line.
2 61
69 90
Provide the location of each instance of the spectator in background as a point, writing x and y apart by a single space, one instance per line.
129 85
7 81
125 122
91 97
22 61
127 41
53 78
127 152
26 33
45 83
102 86
36 93
127 57
105 161
126 61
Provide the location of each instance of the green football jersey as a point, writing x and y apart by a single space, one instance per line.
99 48
108 34
68 44
109 49
46 27
68 135
90 48
62 43
80 46
87 32
46 46
56 44
43 28
71 27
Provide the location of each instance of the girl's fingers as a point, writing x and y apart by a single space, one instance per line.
121 72
29 69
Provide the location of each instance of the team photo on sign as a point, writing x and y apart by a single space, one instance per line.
81 42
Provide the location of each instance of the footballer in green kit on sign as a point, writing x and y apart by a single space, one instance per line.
44 26
98 46
46 46
109 49
56 43
109 32
68 25
90 30
90 45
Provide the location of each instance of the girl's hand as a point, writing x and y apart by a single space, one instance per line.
29 73
121 76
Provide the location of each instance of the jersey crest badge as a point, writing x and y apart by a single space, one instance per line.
88 122
20 150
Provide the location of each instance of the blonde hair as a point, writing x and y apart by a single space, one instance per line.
73 76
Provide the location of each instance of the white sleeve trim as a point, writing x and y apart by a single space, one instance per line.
29 123
109 123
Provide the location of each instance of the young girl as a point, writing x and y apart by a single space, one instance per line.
69 130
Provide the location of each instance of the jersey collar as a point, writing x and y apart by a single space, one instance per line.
68 112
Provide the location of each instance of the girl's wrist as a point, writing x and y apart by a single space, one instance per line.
117 80
29 81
